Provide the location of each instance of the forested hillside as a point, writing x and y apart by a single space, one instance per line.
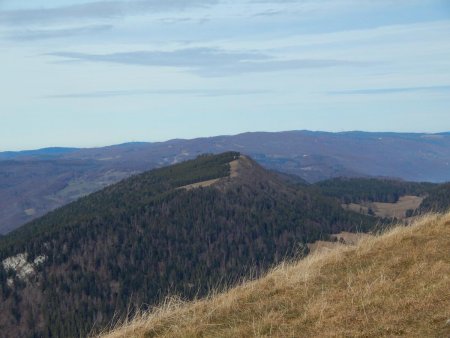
356 190
438 199
365 191
133 243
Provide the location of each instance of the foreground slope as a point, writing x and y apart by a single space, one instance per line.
397 284
182 229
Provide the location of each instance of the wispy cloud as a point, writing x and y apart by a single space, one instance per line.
98 9
42 34
139 92
269 12
381 91
209 61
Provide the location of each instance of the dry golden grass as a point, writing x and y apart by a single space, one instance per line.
235 165
390 210
396 284
348 238
398 210
202 184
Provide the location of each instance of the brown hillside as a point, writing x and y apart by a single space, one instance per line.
396 284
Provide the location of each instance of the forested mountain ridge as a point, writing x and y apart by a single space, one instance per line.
356 190
33 183
133 243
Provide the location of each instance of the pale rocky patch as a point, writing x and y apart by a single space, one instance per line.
22 267
30 212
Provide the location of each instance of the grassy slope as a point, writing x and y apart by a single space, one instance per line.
397 284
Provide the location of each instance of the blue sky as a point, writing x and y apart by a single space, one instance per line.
90 73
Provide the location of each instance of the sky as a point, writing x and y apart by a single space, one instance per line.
90 73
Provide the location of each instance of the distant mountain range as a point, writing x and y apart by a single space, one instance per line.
35 182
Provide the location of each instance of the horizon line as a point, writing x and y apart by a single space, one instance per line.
75 148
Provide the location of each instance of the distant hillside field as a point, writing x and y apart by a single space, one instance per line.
393 285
